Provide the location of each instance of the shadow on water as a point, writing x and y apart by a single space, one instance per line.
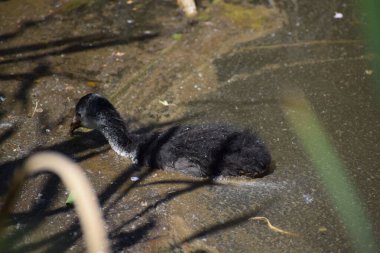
28 80
28 53
33 218
121 239
76 148
22 28
40 210
71 45
8 133
96 36
35 215
226 225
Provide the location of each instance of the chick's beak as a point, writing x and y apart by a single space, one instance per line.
74 124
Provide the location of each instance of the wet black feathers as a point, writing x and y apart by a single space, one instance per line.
197 150
211 150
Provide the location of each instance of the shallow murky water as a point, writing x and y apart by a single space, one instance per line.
218 69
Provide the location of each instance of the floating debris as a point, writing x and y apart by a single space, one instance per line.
148 32
119 53
307 198
39 195
177 36
2 99
134 179
5 125
91 84
165 103
322 229
338 15
36 109
70 199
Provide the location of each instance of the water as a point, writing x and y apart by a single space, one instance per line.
217 72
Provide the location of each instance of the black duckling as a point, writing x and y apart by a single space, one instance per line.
196 150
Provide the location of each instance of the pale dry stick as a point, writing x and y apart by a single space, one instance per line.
35 108
279 230
72 176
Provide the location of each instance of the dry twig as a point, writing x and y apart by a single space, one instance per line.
279 230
